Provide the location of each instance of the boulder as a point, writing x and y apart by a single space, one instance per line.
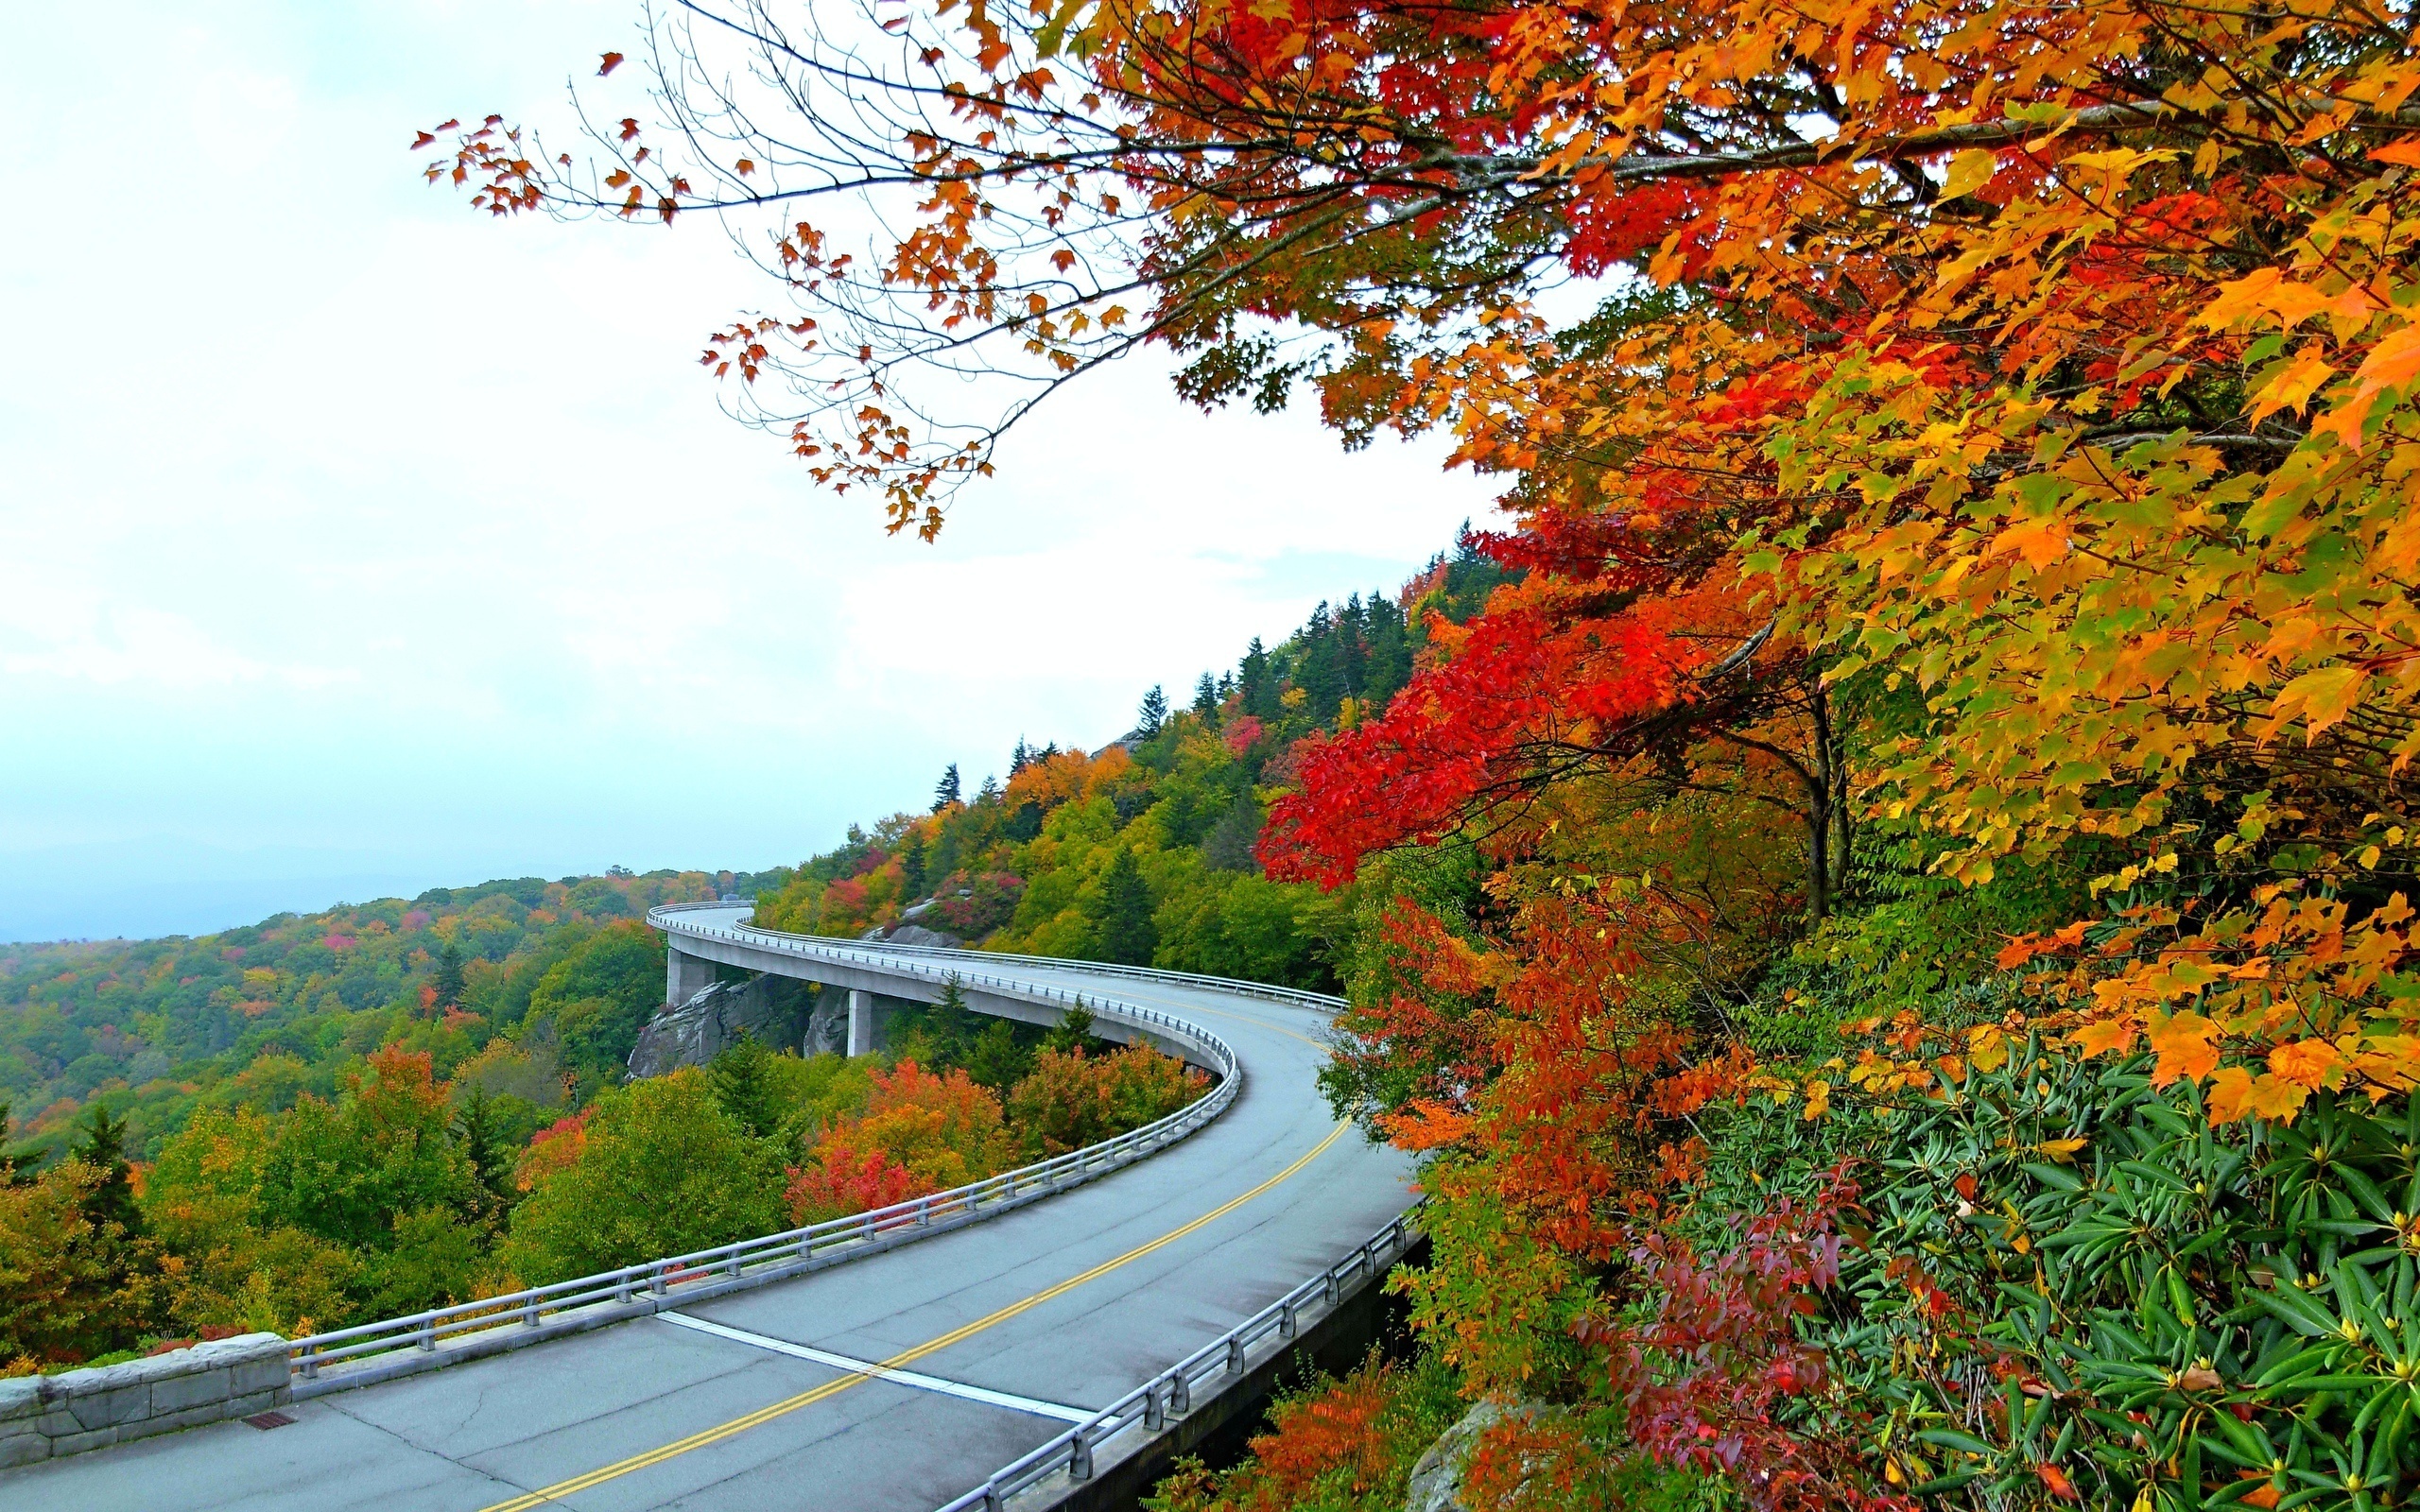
1436 1483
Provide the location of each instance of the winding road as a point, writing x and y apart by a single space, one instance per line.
892 1383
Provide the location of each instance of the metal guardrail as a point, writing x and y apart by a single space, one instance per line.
823 944
1169 1394
773 1257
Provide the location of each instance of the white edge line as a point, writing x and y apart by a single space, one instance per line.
867 1367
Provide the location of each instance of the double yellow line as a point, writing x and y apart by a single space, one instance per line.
832 1388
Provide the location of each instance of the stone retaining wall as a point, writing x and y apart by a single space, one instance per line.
45 1417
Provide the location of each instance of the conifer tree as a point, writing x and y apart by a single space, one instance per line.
102 1144
952 1025
448 980
1154 711
1259 682
1127 933
488 1147
947 793
1205 700
1074 1030
741 1072
995 1059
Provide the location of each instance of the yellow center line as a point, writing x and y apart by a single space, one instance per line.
830 1388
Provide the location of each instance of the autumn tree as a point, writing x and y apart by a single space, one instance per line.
662 1169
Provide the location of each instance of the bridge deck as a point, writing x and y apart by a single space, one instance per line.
1012 1324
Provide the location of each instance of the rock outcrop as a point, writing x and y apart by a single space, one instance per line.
691 1033
1436 1484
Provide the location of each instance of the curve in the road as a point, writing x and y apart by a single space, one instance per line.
895 1381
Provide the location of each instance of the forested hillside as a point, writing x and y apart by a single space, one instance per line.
1143 852
260 1015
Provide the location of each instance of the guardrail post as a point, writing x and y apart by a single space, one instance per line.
622 1287
991 1497
733 1265
310 1362
1180 1393
1286 1321
529 1314
1235 1355
656 1281
1079 1458
1153 1419
1328 1289
428 1338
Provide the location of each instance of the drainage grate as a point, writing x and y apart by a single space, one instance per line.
266 1421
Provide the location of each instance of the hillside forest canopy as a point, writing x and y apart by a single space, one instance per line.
1890 928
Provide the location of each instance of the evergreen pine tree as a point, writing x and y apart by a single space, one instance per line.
1074 1030
1020 757
1205 700
1127 933
102 1144
990 792
946 794
1388 663
488 1148
996 1059
741 1073
1154 711
912 870
448 981
1257 680
952 1025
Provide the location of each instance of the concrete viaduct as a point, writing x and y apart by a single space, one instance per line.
899 1379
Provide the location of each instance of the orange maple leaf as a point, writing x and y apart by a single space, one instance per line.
2304 1062
2185 1044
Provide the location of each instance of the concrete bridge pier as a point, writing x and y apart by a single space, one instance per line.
860 1023
685 976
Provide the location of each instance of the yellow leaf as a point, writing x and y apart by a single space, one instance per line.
1969 171
2187 1047
2322 698
2062 1151
1986 1047
2291 388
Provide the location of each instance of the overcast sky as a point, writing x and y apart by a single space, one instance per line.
354 544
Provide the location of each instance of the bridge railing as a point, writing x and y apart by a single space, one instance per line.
822 944
1170 1392
792 1251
